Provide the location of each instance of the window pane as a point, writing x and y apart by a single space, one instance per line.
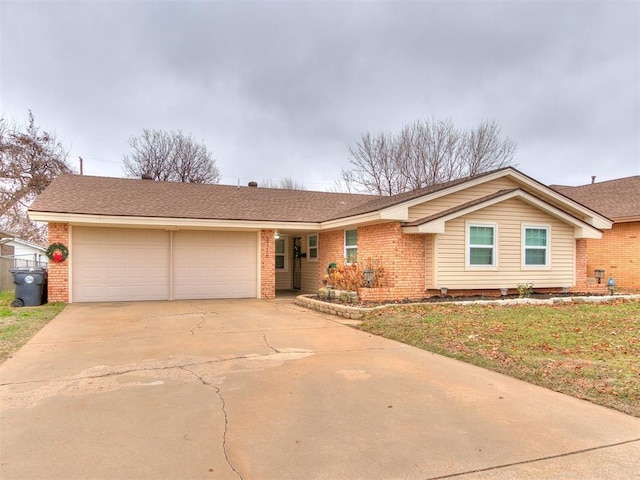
535 237
280 245
280 261
313 253
481 256
536 256
351 237
313 241
352 255
481 235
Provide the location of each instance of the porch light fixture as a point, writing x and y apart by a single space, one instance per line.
369 277
443 291
599 274
276 236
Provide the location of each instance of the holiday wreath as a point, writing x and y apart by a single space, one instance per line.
57 252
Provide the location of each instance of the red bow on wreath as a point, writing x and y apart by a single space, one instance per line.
57 252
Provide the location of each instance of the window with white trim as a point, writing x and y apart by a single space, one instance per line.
281 254
312 248
351 246
535 242
481 245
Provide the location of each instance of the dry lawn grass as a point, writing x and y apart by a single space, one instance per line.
590 351
18 325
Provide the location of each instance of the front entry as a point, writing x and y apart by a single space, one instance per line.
297 263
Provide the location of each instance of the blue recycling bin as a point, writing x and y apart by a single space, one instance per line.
30 287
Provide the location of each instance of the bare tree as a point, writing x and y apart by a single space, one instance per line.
170 156
424 153
29 161
286 183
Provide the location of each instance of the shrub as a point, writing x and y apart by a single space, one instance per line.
350 276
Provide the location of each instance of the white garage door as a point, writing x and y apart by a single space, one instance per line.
214 265
112 264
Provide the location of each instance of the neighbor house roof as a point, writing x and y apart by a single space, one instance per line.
617 199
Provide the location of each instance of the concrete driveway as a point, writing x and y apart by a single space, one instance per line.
251 389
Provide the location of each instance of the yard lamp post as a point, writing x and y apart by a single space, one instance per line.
599 274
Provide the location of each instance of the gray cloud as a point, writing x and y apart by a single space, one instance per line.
282 88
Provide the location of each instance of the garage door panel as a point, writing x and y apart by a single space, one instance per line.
111 264
214 265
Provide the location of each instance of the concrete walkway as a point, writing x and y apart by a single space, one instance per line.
250 389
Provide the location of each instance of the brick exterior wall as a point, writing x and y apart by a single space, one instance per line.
267 264
58 273
585 279
618 253
330 249
402 257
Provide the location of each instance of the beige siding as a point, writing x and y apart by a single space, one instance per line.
468 194
309 270
429 264
509 216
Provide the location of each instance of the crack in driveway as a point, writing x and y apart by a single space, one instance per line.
226 419
264 337
104 378
199 325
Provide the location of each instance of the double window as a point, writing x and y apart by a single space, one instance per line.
481 241
351 246
535 246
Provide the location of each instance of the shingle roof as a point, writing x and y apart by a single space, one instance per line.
147 198
88 195
381 202
615 199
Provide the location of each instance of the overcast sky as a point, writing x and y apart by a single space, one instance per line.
282 88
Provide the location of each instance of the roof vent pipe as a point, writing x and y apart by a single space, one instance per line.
253 184
593 179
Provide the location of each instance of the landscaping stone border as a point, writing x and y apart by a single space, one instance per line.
356 313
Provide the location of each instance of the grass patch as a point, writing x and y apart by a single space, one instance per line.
590 351
18 325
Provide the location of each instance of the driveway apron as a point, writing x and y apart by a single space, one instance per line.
251 389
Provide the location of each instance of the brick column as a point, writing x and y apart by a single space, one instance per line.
58 273
330 249
267 264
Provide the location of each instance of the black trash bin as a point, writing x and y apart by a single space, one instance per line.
30 287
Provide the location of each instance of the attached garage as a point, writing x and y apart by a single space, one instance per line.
122 264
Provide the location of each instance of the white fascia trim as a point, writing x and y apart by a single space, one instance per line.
581 229
350 221
456 188
28 244
398 213
167 223
591 217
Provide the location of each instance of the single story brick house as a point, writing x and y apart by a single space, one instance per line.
132 239
618 252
